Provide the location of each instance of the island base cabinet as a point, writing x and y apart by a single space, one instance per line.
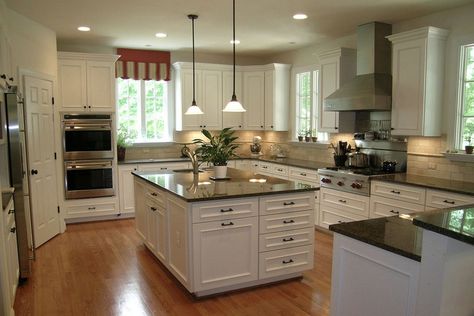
367 280
225 253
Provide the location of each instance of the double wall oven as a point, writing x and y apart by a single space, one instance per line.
88 154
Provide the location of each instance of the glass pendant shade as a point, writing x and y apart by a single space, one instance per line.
193 109
234 106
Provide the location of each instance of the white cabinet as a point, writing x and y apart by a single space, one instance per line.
160 166
140 209
381 207
254 100
338 207
86 82
443 199
229 119
156 237
337 67
277 97
418 62
83 209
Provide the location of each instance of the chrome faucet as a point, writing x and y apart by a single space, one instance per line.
194 160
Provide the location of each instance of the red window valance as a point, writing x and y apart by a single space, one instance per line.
142 64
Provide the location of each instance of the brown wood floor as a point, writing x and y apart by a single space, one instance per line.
103 269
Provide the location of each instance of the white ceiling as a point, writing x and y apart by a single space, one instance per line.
263 26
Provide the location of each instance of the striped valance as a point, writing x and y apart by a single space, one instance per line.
142 64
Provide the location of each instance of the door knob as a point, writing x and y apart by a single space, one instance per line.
34 171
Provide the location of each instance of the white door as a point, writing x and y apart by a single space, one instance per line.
42 174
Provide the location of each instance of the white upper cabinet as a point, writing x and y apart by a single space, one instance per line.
337 67
86 82
418 59
229 119
254 100
277 97
208 91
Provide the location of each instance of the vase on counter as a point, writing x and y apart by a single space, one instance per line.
220 172
121 153
468 149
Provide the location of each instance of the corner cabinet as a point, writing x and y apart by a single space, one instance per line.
337 67
254 100
86 82
418 60
277 97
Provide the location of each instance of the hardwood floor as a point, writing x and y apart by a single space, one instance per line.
102 268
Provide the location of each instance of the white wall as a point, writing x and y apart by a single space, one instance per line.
33 45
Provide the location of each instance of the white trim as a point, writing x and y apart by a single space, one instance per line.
87 56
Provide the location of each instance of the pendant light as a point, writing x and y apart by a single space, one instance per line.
194 108
233 105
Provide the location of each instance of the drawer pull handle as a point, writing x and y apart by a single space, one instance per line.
288 203
286 262
153 208
91 208
154 194
264 167
303 174
11 211
343 201
227 210
279 169
287 239
394 212
163 168
13 230
449 202
340 222
227 224
288 222
395 192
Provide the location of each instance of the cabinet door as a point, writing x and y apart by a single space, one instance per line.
151 209
140 210
212 99
408 87
215 244
328 83
190 122
72 84
126 194
100 86
381 207
13 267
234 120
254 98
269 94
157 232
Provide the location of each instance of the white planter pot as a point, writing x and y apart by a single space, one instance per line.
220 172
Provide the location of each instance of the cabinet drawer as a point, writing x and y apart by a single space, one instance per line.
286 202
399 192
90 210
443 199
162 166
286 239
215 210
329 216
380 207
347 202
285 261
157 195
280 170
265 167
286 221
303 174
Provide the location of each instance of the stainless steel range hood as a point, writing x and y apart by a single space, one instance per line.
371 89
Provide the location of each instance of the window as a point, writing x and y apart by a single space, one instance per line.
143 110
307 102
466 120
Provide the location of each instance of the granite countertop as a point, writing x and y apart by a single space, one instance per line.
241 184
430 182
457 222
395 234
315 165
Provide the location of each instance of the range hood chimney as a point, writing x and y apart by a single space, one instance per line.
371 89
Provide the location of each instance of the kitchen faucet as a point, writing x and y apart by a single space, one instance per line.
194 160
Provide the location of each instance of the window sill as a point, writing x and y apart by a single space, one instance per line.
321 145
460 156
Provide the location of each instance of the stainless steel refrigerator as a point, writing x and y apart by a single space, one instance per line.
18 179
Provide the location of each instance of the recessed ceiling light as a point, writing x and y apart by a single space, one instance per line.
237 42
161 35
300 16
84 28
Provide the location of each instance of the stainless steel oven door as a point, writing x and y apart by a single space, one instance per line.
88 179
88 138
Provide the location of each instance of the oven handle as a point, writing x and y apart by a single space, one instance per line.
88 165
87 127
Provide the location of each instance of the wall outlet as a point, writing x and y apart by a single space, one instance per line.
431 165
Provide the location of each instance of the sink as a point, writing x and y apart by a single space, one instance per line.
185 170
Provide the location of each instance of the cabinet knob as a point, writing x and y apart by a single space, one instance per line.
392 128
13 230
34 171
11 211
335 127
240 126
204 126
85 107
200 126
153 209
261 126
271 126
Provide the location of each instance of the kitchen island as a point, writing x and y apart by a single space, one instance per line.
216 236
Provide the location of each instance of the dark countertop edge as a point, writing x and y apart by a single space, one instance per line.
398 251
225 197
443 231
424 185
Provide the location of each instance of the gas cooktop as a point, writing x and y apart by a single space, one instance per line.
360 171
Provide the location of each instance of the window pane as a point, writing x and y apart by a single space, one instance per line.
469 99
155 110
468 131
469 63
128 106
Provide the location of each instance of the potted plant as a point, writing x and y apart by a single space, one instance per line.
301 135
217 149
124 140
307 136
314 135
468 148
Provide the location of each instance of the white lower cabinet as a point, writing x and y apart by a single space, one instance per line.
225 252
80 209
140 209
338 207
156 230
381 207
443 199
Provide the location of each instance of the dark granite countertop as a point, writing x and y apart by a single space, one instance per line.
457 223
430 182
6 196
308 164
395 234
241 184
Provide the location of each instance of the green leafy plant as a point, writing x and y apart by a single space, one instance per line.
218 148
124 138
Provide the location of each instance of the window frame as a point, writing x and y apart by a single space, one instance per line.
459 134
169 112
